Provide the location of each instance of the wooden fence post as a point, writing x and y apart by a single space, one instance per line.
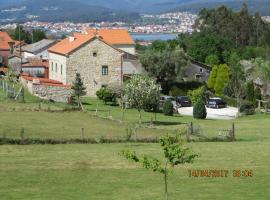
233 131
82 133
22 135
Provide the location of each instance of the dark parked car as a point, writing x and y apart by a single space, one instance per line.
184 101
216 102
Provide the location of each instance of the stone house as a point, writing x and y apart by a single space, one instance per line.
197 71
7 47
95 57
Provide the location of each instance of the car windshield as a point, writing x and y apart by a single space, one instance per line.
184 98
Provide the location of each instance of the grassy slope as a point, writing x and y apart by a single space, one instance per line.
97 172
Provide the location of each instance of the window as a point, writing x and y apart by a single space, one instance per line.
104 86
198 76
201 70
52 66
104 70
61 69
94 54
56 67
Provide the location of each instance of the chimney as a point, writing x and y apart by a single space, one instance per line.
71 38
11 47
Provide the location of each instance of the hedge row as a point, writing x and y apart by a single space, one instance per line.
102 140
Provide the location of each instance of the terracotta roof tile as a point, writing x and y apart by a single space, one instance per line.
113 36
36 63
5 39
44 81
109 36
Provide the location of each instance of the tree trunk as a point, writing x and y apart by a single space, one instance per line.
166 181
140 115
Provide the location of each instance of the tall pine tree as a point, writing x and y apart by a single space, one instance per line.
78 89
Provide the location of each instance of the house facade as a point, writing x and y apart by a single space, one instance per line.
7 46
99 63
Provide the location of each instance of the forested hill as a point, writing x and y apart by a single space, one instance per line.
62 10
261 6
143 6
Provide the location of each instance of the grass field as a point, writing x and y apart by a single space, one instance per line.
97 172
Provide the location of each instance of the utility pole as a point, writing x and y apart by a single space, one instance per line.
20 47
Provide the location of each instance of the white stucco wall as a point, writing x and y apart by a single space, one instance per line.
59 60
43 54
127 48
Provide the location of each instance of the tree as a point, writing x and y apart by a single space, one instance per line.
200 45
164 65
38 35
78 89
20 34
212 60
198 94
239 27
212 78
199 110
250 91
236 84
140 91
175 153
222 79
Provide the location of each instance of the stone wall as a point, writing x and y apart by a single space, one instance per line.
48 92
55 93
89 65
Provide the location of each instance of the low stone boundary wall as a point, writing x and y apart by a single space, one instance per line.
46 91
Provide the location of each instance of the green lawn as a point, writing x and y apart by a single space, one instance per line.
97 172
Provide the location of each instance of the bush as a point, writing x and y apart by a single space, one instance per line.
230 101
176 91
199 110
247 109
198 94
100 93
168 108
106 95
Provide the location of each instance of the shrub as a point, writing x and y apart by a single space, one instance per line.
198 94
176 91
199 110
106 95
168 108
100 93
247 109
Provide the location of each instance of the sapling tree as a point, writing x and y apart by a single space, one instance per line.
175 153
78 89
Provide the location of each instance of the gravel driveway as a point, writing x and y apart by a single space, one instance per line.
223 113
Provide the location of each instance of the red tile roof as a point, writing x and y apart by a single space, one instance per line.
113 36
109 36
5 39
37 63
44 81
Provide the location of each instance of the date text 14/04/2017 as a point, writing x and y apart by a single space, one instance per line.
219 173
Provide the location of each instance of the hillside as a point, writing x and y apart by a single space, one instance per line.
61 10
110 10
261 6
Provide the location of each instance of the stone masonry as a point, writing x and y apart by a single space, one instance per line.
88 61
